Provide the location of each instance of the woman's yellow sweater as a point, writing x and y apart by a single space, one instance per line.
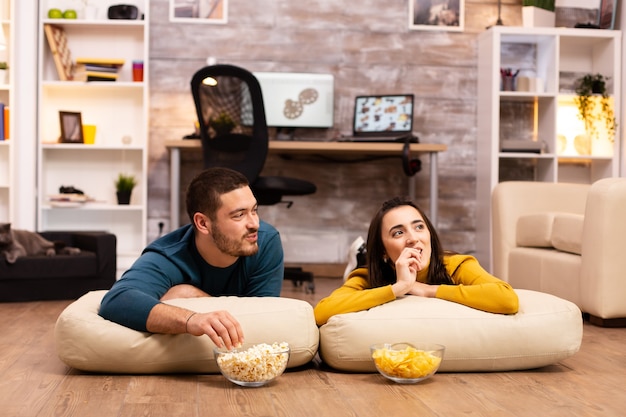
474 287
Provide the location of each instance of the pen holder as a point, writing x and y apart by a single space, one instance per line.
508 82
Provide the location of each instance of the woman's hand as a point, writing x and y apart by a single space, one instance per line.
408 264
423 290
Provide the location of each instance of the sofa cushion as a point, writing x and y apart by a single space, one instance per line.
86 341
546 329
562 231
567 232
535 230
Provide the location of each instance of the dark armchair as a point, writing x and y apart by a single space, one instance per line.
62 277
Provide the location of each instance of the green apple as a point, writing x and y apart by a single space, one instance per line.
55 14
69 14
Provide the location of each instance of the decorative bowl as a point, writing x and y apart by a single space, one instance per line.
406 363
253 365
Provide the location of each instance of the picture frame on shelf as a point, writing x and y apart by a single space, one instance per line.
71 127
199 11
606 15
593 14
448 15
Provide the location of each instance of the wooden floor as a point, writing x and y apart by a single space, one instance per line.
33 382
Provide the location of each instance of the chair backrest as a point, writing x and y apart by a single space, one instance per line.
231 117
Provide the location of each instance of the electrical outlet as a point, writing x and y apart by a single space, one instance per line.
157 228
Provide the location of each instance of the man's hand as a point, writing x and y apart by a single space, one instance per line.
220 326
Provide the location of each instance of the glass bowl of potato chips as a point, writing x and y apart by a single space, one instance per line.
253 365
407 363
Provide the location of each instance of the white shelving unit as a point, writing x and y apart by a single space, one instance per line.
6 98
556 57
118 109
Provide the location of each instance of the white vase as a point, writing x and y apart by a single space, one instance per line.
533 17
4 76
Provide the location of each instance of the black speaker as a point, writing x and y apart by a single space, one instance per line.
123 11
410 166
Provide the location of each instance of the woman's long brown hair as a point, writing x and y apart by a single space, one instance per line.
381 273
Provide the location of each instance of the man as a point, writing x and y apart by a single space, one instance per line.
226 250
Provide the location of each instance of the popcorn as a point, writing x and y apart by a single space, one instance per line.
262 362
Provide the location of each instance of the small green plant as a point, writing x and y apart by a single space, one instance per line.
4 65
223 124
542 4
125 183
589 89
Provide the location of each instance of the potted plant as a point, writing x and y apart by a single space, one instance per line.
3 72
538 13
223 124
124 185
591 90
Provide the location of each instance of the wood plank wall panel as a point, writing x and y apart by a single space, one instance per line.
368 48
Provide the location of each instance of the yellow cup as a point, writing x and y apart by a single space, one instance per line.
89 134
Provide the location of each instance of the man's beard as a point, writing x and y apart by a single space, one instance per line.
233 247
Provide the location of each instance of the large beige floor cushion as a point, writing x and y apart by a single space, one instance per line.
546 329
86 341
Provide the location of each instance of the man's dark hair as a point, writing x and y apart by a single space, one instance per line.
205 191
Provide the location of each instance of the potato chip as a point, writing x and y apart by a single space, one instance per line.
406 363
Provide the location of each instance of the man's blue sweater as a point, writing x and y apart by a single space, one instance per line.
174 259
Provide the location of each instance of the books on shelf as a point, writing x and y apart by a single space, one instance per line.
97 69
92 67
4 122
110 62
6 129
85 68
95 76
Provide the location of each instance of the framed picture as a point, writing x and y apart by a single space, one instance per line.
606 18
71 127
437 15
596 14
199 11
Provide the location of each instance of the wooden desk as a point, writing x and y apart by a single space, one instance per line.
315 148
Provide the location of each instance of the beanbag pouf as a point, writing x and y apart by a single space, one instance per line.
87 342
546 330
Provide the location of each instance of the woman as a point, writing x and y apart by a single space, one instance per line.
405 257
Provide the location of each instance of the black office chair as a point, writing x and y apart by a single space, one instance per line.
234 134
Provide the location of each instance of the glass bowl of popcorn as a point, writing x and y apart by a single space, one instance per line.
406 363
253 365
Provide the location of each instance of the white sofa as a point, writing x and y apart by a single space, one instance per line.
568 240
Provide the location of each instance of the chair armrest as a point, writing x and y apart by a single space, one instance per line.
602 279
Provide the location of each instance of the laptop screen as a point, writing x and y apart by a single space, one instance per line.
383 115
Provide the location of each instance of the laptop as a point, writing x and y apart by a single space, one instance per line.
383 118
